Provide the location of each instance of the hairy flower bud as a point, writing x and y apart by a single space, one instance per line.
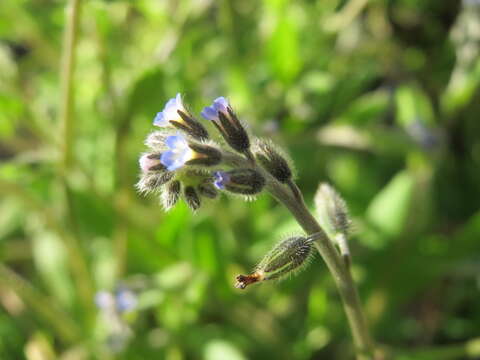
332 210
240 181
207 190
151 162
206 155
152 180
190 126
272 160
287 257
191 198
333 217
156 140
227 123
171 194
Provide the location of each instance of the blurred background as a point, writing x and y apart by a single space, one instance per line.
380 98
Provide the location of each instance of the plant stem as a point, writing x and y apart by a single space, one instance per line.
77 259
341 274
46 308
67 69
467 350
292 198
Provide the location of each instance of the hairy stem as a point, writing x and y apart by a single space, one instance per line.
341 274
341 240
292 198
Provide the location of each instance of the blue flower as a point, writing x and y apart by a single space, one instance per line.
240 181
178 154
123 300
126 300
220 104
221 178
224 119
170 112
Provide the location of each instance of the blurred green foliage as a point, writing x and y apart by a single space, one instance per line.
380 98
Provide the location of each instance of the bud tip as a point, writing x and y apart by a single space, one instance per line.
244 280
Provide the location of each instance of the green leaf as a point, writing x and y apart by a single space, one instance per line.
389 210
50 259
221 350
412 105
284 50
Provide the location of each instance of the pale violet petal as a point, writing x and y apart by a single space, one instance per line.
221 178
172 160
104 300
179 102
171 104
220 104
209 113
146 162
160 120
176 142
126 300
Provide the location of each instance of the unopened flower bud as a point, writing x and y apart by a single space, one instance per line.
171 194
151 162
156 140
272 160
152 180
332 210
240 181
227 123
191 198
333 217
207 190
190 126
205 154
287 257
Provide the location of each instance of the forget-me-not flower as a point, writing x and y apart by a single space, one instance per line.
220 105
221 178
126 300
227 123
178 154
240 181
174 114
170 112
121 301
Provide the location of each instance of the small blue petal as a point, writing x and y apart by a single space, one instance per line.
221 178
126 300
209 113
160 120
168 159
220 104
178 99
171 103
176 142
172 160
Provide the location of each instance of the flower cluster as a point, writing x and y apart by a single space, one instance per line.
183 161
